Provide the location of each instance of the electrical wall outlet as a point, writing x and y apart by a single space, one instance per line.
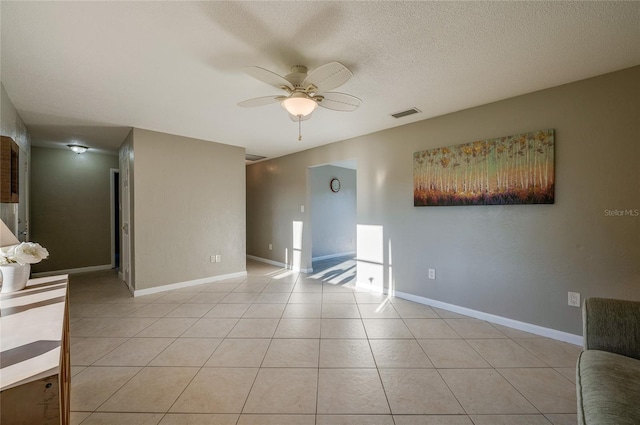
574 299
301 208
270 247
432 274
218 259
213 258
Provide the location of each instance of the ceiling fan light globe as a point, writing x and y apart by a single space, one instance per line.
299 105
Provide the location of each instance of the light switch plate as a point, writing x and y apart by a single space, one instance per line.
574 299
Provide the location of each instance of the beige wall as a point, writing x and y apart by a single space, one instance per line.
11 125
275 191
333 215
516 261
70 207
189 204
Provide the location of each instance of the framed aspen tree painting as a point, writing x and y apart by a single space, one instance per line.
508 170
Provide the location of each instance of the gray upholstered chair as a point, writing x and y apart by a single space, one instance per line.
608 370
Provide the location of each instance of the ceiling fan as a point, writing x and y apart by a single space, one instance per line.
305 91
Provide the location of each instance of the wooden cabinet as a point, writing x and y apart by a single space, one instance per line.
35 375
9 166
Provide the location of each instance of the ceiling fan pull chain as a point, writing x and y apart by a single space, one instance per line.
299 128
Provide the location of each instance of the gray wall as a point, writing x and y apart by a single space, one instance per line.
515 261
333 215
70 207
189 204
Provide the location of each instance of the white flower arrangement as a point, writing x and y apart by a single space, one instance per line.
24 253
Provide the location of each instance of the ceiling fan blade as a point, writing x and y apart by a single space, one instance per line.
267 77
260 101
328 77
339 102
294 118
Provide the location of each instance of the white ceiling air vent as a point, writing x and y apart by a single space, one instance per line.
406 113
252 158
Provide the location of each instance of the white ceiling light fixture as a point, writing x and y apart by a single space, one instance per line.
305 91
299 104
78 148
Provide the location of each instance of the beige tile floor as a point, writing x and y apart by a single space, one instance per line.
282 348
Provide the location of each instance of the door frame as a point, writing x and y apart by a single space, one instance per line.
22 213
125 217
112 209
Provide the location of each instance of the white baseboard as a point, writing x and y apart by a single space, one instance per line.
73 271
264 260
499 320
178 285
279 264
330 256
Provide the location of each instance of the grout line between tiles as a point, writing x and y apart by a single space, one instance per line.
298 278
315 419
386 397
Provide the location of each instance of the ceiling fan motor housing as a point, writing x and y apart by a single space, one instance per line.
297 75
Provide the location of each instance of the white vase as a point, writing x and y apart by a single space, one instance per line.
14 277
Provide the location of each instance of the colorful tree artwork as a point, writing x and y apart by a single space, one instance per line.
503 171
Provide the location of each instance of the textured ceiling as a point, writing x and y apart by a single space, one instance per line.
88 71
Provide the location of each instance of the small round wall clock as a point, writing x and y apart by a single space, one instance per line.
334 185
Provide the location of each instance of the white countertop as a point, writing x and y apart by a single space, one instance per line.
31 329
